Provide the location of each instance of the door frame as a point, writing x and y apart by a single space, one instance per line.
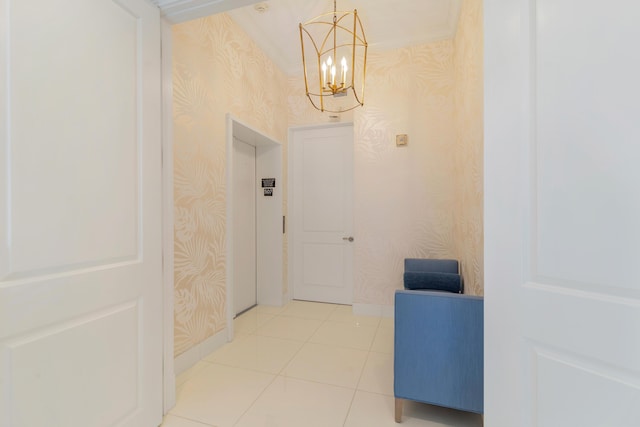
168 362
290 229
269 281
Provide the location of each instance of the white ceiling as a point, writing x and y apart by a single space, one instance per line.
387 24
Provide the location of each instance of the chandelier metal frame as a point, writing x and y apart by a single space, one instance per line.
328 45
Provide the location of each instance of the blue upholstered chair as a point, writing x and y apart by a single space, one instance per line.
438 345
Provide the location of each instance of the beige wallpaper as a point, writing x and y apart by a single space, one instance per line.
423 200
216 69
406 198
469 147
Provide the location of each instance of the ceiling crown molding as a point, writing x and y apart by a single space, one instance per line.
176 11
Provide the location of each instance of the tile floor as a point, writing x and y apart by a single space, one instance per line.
302 365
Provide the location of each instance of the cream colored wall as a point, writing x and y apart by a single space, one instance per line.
404 196
216 69
469 147
423 200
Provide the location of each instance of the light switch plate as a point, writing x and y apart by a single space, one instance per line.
402 140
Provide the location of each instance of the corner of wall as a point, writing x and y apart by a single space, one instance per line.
468 99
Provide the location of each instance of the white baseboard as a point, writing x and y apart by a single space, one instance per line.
388 311
198 352
372 310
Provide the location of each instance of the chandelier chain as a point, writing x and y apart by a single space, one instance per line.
335 12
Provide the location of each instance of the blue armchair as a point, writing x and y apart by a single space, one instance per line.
438 348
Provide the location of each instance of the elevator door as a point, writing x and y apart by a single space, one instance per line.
244 225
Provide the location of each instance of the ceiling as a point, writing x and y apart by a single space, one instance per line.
387 24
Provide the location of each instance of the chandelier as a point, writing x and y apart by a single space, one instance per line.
334 61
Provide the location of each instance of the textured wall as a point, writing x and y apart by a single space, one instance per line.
468 121
216 69
423 200
404 197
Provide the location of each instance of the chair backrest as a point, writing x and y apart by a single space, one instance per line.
431 265
433 274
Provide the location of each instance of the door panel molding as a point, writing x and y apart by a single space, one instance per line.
80 213
561 297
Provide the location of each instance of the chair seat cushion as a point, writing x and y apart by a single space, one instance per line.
416 280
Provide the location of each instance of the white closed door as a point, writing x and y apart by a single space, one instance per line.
244 226
80 214
562 209
323 214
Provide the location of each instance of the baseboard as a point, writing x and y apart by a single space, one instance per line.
198 352
372 310
388 311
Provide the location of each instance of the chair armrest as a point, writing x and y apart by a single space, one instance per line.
438 349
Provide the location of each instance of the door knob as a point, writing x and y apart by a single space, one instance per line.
348 238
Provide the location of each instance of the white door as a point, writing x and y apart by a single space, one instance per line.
80 214
323 214
562 212
244 226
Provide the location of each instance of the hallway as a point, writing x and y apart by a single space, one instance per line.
305 364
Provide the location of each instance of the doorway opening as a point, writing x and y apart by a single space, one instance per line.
254 220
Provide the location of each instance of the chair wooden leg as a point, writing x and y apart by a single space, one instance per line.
399 403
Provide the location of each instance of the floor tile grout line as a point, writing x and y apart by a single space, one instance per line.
286 365
189 419
287 377
254 400
342 347
362 370
280 373
376 393
325 321
346 417
257 371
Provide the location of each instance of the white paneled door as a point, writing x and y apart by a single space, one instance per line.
323 214
562 209
80 214
244 226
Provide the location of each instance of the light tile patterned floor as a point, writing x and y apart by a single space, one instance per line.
302 365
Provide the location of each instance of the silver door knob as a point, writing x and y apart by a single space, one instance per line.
348 238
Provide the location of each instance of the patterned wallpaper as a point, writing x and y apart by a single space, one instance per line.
425 199
469 144
422 200
405 198
216 69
